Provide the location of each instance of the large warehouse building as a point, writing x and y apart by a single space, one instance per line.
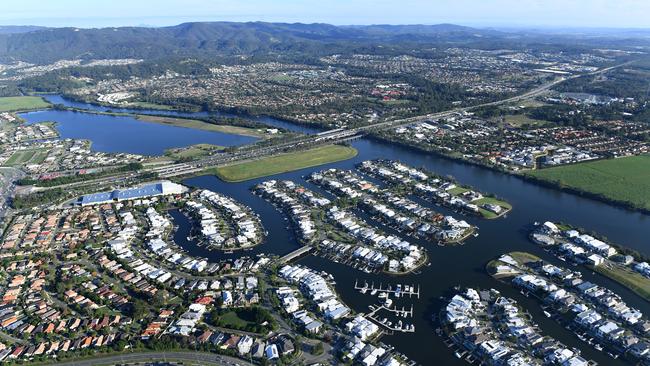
149 190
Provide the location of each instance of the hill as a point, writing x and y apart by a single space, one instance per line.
9 29
216 38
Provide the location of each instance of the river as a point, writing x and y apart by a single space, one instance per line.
58 99
458 265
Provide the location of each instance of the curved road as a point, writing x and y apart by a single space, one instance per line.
204 358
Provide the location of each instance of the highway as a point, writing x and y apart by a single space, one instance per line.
337 135
305 142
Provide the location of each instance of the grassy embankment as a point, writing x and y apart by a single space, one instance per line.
200 125
283 163
627 277
625 180
616 272
13 104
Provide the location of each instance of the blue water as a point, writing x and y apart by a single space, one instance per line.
270 121
456 265
116 134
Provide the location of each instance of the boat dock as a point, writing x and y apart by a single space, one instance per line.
398 291
398 326
399 312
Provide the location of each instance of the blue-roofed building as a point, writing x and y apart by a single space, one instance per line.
149 190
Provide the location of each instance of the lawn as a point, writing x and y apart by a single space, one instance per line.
491 200
246 319
519 120
523 257
192 152
626 277
20 157
625 180
39 157
458 190
231 320
283 163
25 157
11 104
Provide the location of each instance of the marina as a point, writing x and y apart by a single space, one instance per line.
450 265
398 291
398 326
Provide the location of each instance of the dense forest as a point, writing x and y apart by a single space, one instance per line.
259 39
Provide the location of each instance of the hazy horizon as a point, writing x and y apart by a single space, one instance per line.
567 14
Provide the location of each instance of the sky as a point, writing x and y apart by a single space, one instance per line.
481 13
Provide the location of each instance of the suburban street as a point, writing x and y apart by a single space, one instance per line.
201 358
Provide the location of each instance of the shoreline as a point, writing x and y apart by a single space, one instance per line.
527 178
236 112
198 124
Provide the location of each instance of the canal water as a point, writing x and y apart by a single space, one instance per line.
462 265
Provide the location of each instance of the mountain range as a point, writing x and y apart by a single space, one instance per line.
206 39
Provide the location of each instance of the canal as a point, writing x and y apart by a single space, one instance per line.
462 265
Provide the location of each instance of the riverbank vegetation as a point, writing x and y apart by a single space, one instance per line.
12 104
623 180
283 163
203 125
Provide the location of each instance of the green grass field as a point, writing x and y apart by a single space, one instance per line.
192 152
26 157
20 157
148 105
232 320
626 277
458 190
284 163
624 180
519 120
523 257
11 104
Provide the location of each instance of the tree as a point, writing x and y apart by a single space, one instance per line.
139 309
160 298
318 348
